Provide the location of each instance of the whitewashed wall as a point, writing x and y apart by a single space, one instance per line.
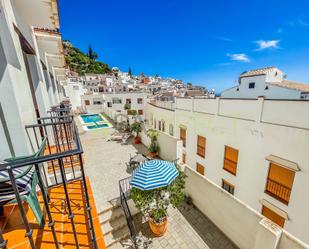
243 225
169 146
257 128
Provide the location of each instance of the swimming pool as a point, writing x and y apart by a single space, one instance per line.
94 121
90 118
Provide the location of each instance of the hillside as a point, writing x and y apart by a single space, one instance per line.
83 63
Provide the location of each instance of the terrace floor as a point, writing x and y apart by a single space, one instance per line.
13 228
105 165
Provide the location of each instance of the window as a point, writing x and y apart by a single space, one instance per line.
201 143
171 130
128 101
228 187
139 101
75 88
131 112
109 104
163 126
159 125
251 85
266 88
273 216
140 112
155 123
116 100
97 102
230 159
279 183
200 168
87 102
183 136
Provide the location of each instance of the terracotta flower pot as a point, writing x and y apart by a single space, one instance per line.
153 154
158 229
137 140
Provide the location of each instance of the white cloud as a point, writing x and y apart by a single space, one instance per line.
302 22
239 57
271 44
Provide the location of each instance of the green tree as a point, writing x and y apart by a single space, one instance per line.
130 72
91 54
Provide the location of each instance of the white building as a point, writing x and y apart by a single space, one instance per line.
269 82
74 89
116 103
255 149
31 69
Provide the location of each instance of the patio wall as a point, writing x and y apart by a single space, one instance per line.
170 147
243 225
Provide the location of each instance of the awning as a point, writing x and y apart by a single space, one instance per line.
275 209
182 126
283 162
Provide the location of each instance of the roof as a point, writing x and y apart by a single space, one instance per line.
291 85
255 72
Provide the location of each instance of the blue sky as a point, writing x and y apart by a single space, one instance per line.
205 42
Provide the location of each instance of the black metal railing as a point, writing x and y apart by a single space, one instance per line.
57 162
124 189
278 191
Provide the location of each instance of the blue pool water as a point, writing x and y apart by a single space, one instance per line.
97 126
91 118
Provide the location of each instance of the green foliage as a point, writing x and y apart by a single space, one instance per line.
130 72
154 203
83 63
92 55
127 106
153 135
136 127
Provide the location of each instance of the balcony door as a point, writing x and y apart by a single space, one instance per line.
28 51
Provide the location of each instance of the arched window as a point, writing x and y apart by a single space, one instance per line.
163 125
171 130
155 123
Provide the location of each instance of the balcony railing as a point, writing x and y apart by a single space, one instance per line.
57 162
125 189
278 191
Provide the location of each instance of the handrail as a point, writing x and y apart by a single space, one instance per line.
124 189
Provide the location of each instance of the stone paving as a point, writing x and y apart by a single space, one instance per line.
105 165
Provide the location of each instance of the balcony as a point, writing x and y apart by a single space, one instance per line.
46 199
278 191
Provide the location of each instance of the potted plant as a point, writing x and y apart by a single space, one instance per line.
154 204
153 147
127 106
136 127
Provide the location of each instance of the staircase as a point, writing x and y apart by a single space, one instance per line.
114 227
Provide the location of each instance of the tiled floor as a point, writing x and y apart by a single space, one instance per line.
106 165
13 228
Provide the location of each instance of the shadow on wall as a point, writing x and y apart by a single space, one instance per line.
13 58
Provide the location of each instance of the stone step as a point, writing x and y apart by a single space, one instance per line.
116 236
114 225
110 215
125 244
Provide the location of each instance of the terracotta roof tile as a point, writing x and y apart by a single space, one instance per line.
260 71
291 85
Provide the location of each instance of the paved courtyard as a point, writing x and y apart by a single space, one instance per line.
105 165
